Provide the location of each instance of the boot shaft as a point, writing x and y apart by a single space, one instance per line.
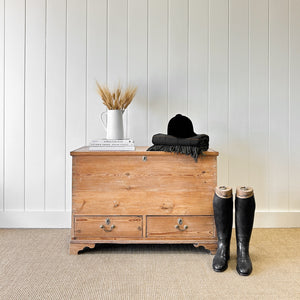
244 213
223 207
222 204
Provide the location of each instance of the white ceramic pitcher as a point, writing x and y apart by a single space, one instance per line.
114 123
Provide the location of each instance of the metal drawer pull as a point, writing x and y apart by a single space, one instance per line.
185 227
180 222
108 230
107 222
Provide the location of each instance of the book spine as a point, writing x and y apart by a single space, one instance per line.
111 148
111 145
112 142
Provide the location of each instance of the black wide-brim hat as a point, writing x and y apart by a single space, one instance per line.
181 126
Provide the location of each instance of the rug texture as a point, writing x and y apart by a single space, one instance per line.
35 264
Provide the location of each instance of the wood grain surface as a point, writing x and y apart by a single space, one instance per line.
143 194
139 150
88 227
121 184
168 226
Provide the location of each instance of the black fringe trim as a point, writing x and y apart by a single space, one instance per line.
193 151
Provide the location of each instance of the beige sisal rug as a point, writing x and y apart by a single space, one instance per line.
35 264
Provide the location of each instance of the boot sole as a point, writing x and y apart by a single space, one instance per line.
243 274
220 270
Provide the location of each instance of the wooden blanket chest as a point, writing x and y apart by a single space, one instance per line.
142 197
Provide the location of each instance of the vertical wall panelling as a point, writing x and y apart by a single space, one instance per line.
157 67
137 70
76 84
55 105
232 66
178 57
259 100
96 65
218 85
238 93
279 104
117 42
2 14
294 203
14 104
117 46
34 104
198 64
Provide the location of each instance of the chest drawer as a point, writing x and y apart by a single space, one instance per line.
94 227
180 226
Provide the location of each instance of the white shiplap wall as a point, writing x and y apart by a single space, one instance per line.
232 66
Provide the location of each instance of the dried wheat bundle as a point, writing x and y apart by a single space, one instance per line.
116 99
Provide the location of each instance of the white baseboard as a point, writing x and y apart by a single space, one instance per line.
278 219
35 219
54 219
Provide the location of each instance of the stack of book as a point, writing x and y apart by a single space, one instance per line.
112 145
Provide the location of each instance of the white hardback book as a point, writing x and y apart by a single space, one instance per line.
109 142
111 148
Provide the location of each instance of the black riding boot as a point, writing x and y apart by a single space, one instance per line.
244 217
222 204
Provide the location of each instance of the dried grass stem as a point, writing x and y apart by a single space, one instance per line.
116 99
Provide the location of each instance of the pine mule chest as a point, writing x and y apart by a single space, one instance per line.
142 197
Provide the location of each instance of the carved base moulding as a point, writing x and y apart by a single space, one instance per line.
76 246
